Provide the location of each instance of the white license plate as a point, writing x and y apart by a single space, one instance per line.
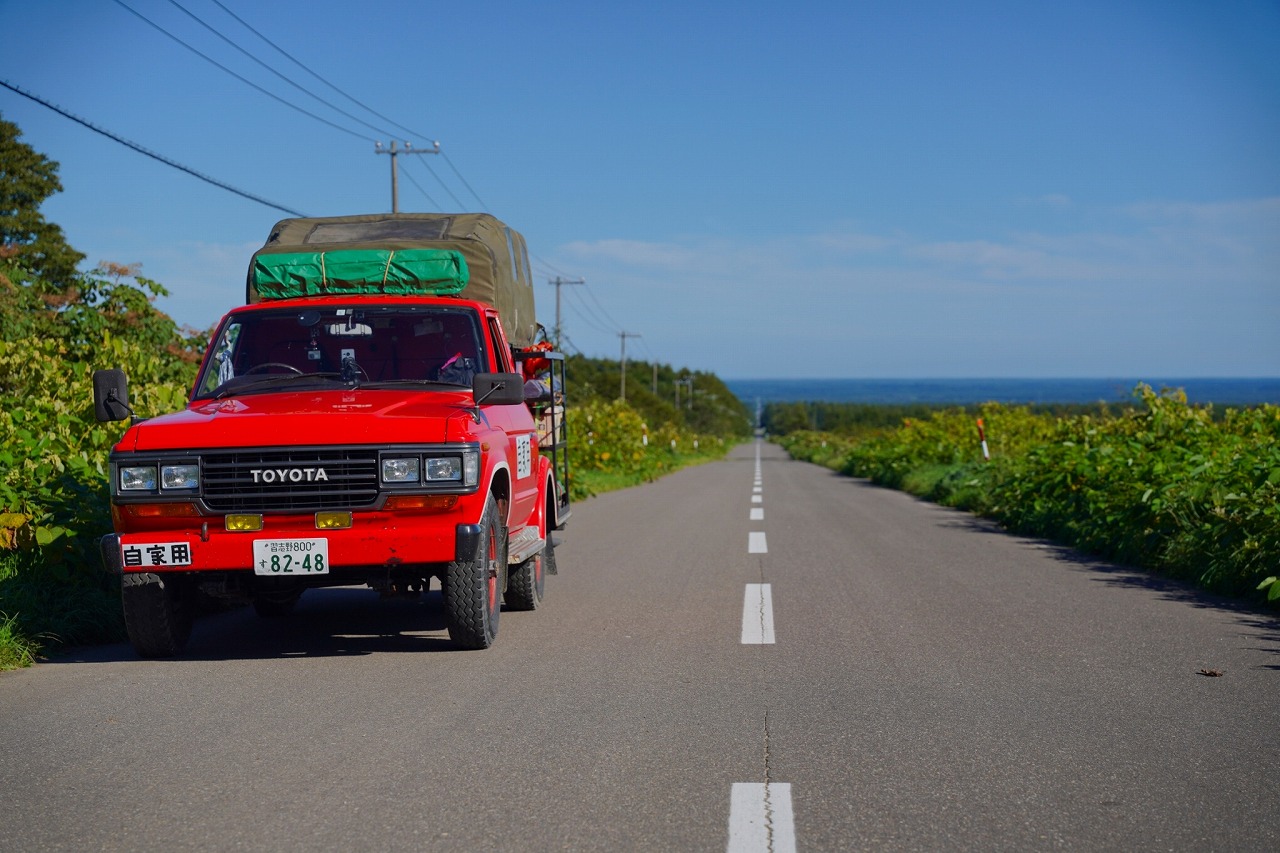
283 557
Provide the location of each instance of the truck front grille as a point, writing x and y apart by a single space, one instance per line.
292 480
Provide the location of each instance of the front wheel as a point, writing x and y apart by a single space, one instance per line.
472 588
158 612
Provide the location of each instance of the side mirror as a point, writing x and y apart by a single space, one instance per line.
498 389
110 395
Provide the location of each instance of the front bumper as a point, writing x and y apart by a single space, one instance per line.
371 542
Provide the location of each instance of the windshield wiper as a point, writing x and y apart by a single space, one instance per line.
241 384
380 382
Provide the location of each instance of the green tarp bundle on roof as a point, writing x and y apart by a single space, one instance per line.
394 272
497 262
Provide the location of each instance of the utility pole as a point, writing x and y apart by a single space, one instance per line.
408 149
557 281
688 383
624 336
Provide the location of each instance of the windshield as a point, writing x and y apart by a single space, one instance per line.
262 351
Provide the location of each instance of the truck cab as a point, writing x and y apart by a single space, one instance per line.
349 425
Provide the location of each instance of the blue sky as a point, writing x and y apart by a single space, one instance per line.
811 189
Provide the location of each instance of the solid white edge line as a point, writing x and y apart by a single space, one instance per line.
761 818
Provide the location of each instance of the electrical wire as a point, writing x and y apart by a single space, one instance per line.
426 165
300 64
594 322
153 155
546 266
564 339
358 103
292 83
414 181
602 311
483 206
244 80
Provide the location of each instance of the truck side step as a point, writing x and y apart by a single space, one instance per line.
523 544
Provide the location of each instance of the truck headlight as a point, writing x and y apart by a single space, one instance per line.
137 478
185 477
400 469
444 468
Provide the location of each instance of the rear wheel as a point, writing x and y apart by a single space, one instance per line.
158 612
473 588
526 588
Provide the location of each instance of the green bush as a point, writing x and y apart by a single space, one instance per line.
610 446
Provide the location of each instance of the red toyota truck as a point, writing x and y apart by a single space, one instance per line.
380 412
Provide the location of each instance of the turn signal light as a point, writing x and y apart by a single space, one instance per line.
437 503
166 510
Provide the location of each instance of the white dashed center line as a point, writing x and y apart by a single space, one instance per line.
757 615
760 818
756 543
757 513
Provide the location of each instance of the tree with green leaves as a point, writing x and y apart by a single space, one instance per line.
27 178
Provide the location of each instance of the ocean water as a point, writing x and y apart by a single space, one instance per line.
1219 391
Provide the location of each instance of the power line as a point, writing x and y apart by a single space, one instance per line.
292 83
596 322
244 80
483 206
358 103
153 155
414 181
546 266
602 311
457 200
594 326
299 63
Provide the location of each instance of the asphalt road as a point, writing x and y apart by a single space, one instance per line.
931 684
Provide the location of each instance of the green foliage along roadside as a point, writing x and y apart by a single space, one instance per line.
1166 486
611 446
614 444
53 498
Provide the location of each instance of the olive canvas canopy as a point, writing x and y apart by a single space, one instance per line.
473 255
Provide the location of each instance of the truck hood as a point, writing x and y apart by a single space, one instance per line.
307 418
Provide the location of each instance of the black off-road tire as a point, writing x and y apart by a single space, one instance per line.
527 585
473 588
159 610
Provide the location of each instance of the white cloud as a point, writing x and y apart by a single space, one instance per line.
1160 287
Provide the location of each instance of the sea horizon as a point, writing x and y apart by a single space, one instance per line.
1222 391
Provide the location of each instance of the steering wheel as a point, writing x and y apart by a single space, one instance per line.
268 364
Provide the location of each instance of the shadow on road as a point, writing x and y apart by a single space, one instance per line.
1247 613
326 623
